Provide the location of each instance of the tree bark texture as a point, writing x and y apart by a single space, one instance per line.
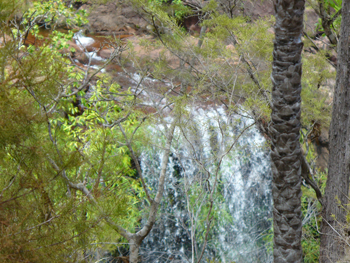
134 250
284 130
337 188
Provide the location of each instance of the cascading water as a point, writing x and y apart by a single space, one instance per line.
242 201
82 40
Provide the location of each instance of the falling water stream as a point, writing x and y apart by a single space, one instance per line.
241 216
243 195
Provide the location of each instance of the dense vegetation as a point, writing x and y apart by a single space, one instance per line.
71 184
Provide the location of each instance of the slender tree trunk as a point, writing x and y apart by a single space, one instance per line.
134 251
336 193
284 130
135 239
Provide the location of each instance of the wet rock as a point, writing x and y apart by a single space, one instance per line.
105 53
114 18
82 58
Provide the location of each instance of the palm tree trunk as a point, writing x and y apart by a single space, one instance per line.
284 130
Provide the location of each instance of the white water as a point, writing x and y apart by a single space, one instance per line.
243 198
242 202
83 42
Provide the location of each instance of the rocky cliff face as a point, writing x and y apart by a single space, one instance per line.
117 17
120 17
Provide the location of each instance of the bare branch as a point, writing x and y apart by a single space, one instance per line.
161 181
305 171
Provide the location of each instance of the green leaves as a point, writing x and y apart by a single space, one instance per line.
52 12
50 137
316 104
176 8
335 4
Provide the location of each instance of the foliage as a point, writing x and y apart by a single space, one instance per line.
311 208
175 9
50 13
316 106
103 160
199 204
46 143
233 65
229 44
335 6
47 139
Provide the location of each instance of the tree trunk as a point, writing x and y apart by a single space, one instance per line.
335 197
135 239
134 251
284 130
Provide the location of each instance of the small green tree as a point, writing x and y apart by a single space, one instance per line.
63 171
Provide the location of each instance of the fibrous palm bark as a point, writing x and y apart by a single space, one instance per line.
336 194
284 130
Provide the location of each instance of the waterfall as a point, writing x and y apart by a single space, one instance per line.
85 44
82 40
242 201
